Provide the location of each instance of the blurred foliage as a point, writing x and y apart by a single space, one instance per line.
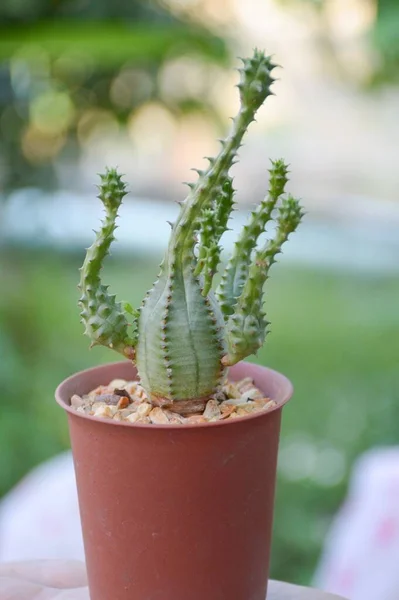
384 38
337 341
61 63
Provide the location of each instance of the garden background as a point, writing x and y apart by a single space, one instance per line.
148 86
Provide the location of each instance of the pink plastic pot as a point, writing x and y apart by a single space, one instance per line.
176 512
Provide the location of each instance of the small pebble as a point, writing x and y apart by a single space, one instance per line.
76 401
102 389
245 384
232 390
133 417
117 383
124 402
251 394
144 420
134 389
269 404
158 416
176 420
144 409
242 412
196 419
212 410
108 398
234 415
226 410
125 412
104 411
234 402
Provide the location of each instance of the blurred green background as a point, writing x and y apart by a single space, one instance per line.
150 84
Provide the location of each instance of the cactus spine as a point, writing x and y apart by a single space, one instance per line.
184 336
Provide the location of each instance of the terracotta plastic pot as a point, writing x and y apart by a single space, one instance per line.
176 512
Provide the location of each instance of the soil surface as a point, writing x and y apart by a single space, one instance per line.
122 400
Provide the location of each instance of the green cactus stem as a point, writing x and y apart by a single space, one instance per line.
246 327
181 330
184 336
236 273
105 320
213 225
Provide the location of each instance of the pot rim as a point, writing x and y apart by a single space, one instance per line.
172 426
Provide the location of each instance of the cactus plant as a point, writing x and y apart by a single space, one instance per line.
185 335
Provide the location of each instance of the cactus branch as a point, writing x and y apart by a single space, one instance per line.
104 318
254 86
237 269
213 224
246 327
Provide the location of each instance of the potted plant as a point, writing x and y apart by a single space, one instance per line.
176 463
